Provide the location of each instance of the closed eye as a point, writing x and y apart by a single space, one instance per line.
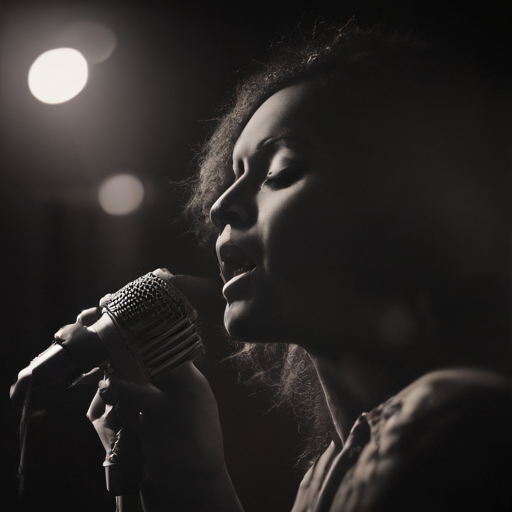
282 178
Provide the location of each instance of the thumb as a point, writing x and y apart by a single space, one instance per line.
140 396
131 400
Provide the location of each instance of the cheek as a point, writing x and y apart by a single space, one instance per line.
285 222
302 240
302 229
301 281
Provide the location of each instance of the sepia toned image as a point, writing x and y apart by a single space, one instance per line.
257 257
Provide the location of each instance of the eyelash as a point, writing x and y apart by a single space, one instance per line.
282 177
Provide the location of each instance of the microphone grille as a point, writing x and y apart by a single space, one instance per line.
157 320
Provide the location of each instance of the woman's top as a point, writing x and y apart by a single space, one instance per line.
444 443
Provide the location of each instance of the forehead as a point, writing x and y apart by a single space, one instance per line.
290 112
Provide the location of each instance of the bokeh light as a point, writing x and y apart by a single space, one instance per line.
58 75
121 194
95 41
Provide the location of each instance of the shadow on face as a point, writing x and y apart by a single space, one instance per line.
372 219
426 232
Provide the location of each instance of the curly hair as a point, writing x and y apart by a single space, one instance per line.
331 55
331 52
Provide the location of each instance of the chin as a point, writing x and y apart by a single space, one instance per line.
234 320
243 324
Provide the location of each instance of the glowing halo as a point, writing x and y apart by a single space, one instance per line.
58 75
94 41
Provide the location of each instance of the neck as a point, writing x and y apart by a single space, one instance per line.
352 387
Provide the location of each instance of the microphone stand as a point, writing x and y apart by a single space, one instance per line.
128 503
24 422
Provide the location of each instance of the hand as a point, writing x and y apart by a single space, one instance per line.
175 416
177 421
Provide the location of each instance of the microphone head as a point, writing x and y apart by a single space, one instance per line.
157 321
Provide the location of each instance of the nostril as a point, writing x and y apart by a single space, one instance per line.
222 216
230 217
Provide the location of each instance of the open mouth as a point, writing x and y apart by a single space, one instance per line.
233 261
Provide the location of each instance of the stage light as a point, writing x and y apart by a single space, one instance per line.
121 194
58 75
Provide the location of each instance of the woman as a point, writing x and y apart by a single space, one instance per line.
360 232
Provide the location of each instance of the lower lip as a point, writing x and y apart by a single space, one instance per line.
237 281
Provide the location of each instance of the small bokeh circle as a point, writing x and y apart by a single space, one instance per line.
121 194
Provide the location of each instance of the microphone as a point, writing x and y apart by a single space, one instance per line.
146 329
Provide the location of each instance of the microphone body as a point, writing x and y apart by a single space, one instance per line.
146 329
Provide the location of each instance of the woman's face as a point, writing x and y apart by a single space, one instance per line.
282 225
343 211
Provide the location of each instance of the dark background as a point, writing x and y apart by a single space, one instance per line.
145 109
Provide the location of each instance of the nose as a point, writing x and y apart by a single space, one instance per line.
231 208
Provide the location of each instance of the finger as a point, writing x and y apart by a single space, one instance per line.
108 426
141 397
89 316
110 389
130 415
109 399
124 445
174 388
97 408
127 401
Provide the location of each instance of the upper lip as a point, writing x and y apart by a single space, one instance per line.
233 260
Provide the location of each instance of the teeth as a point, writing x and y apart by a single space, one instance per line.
233 260
247 266
241 270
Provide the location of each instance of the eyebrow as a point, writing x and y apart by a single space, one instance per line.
272 144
